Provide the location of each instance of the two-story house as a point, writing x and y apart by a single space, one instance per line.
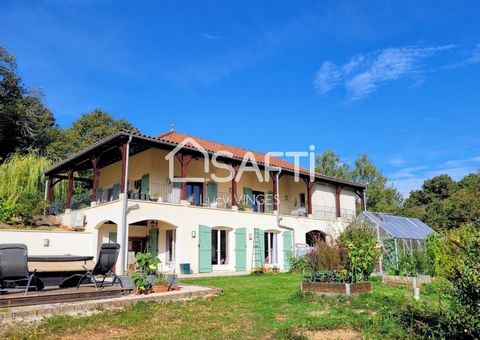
193 201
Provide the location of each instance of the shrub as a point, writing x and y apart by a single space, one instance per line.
460 318
326 276
147 263
438 261
325 256
363 251
298 264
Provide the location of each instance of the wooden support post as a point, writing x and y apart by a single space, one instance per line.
96 177
309 185
123 150
184 161
338 191
363 204
273 176
69 189
234 185
49 192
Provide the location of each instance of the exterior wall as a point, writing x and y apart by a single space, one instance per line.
60 243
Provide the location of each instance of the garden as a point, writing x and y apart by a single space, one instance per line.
272 305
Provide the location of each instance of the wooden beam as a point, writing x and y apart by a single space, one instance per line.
309 185
234 185
184 161
69 189
123 151
96 177
338 191
273 176
76 179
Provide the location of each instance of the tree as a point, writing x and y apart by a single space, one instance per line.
380 196
328 163
24 120
88 129
25 123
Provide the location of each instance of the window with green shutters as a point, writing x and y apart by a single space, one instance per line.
145 187
116 191
248 196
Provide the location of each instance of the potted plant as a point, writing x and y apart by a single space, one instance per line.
275 269
154 197
148 265
160 285
243 205
259 270
143 286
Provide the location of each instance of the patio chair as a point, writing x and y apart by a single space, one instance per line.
14 267
107 258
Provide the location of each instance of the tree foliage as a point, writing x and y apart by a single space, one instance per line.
329 164
88 129
25 122
445 204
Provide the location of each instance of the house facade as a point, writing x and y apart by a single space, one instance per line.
171 195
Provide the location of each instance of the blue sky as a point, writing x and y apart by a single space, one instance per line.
396 80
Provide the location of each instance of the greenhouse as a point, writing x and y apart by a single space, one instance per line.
398 236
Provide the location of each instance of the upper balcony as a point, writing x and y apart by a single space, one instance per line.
153 177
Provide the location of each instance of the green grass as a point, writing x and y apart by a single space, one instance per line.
250 307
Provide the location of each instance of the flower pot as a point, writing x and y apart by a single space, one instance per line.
160 288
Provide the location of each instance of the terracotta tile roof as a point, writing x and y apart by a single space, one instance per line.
210 146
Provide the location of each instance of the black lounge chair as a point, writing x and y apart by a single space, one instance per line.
14 267
107 258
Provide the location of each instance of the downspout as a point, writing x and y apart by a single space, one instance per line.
124 226
45 211
279 219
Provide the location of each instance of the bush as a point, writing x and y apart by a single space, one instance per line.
460 318
326 256
326 276
298 264
438 260
363 251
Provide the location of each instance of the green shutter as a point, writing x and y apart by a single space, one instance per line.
240 249
269 202
145 188
248 196
100 194
205 249
177 185
212 192
287 248
259 247
153 241
112 237
116 191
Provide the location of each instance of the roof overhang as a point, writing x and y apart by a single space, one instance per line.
108 151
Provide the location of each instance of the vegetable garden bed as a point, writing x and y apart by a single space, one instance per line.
331 288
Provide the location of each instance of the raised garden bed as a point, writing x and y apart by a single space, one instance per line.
329 288
406 280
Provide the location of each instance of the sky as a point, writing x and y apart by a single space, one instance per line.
397 80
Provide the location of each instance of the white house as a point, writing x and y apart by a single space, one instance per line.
182 206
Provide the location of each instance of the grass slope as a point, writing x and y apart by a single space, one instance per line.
269 306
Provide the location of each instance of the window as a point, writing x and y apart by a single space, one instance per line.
219 247
258 201
195 193
270 247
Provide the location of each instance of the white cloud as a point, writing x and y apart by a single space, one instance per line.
209 36
364 73
326 77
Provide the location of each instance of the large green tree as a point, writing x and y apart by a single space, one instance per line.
25 122
380 196
329 164
88 129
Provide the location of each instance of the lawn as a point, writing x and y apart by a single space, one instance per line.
269 306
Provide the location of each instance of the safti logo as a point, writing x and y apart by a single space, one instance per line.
248 164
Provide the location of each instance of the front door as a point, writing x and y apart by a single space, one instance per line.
258 201
241 249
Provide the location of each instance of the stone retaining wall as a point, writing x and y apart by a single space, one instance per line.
185 293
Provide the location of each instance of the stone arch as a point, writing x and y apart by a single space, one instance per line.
314 236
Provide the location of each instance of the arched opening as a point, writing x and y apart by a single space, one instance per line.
146 236
314 236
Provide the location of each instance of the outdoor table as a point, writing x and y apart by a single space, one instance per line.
53 269
59 258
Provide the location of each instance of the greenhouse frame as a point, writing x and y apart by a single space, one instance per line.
397 235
